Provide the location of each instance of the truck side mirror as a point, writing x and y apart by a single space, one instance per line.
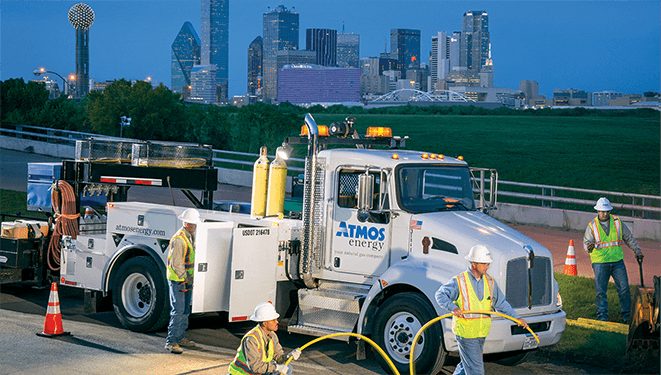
365 191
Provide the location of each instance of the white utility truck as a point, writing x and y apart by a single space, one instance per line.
380 230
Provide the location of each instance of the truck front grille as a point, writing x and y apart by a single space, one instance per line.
516 291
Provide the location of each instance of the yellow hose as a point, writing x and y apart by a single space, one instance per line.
383 354
415 339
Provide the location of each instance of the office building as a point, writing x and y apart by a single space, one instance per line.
280 33
601 99
348 50
185 54
571 97
324 43
405 48
203 84
530 90
307 83
439 61
255 60
476 42
215 43
289 56
81 17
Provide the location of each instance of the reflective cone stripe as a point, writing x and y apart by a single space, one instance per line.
53 323
570 261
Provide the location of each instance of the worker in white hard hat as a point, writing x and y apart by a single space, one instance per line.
260 351
473 290
603 241
180 271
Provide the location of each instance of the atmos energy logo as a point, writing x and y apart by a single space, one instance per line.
362 235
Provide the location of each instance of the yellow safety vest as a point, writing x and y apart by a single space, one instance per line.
472 325
607 249
189 257
239 365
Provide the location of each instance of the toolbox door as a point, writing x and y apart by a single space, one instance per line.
212 266
253 275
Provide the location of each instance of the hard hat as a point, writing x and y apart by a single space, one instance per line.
191 216
264 312
479 254
603 204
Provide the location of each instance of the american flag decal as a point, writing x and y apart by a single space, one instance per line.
416 224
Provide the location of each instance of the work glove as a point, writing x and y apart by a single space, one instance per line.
639 256
295 354
283 369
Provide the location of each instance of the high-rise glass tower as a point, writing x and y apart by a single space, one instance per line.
185 54
405 47
215 43
280 33
348 50
81 16
478 41
324 43
255 59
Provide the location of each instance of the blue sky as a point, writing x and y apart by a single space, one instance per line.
585 45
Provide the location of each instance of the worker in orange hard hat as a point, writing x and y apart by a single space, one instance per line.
603 241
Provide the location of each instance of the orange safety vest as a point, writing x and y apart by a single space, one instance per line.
472 325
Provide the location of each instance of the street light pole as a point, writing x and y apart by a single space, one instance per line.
38 72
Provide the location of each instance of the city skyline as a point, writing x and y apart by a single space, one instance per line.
591 46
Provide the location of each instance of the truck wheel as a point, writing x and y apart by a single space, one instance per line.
140 296
509 358
396 324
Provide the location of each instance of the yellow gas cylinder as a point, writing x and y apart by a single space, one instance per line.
275 203
260 176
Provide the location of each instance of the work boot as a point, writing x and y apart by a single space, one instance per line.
174 348
186 343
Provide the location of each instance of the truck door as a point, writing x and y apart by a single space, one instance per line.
358 247
253 275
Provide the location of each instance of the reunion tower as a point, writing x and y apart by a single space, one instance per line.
81 17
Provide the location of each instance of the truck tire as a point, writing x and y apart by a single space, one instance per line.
396 324
140 295
509 358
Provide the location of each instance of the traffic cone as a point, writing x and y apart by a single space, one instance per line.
53 324
570 261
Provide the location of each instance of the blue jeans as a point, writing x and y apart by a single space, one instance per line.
470 352
602 274
180 308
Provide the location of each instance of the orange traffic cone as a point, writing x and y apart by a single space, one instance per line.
570 261
53 324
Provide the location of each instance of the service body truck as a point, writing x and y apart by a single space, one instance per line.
381 230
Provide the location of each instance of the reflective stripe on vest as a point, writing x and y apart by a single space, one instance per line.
607 248
472 325
239 365
189 257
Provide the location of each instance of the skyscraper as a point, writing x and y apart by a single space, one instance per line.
324 43
280 32
348 50
215 42
185 54
405 47
478 41
81 16
255 60
440 57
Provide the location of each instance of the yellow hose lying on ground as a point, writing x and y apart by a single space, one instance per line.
415 339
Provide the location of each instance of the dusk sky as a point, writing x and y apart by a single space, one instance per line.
585 45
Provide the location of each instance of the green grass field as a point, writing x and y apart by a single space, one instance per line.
603 153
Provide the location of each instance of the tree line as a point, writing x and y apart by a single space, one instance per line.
160 114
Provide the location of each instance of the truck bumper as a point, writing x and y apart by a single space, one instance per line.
506 336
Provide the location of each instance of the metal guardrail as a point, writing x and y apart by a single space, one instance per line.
640 205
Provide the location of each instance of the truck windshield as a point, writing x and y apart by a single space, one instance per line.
429 188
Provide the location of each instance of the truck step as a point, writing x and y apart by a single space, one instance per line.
312 331
333 306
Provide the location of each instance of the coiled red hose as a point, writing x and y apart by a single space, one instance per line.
66 221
